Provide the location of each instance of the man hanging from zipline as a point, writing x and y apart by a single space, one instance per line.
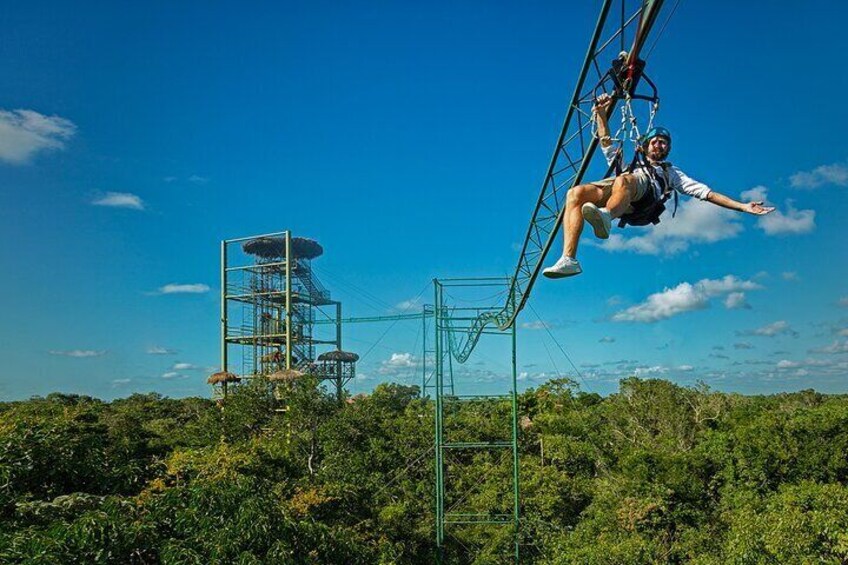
635 197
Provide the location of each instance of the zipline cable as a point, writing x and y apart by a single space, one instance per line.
426 286
561 348
662 29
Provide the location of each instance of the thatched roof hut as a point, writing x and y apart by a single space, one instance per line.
275 248
356 398
266 247
339 355
305 248
222 377
286 375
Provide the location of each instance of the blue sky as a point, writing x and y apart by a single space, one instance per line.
411 142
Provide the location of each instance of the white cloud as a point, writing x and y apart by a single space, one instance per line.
696 222
684 297
779 327
787 368
156 350
401 360
121 381
408 304
614 300
174 288
743 345
79 353
771 330
607 339
119 200
736 301
756 194
398 363
685 368
789 275
184 367
836 174
522 376
655 370
728 283
173 375
835 347
662 305
197 179
793 221
536 325
23 133
809 363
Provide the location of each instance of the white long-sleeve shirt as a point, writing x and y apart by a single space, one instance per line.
677 179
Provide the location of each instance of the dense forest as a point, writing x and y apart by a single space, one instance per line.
656 473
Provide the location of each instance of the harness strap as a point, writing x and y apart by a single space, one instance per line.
649 208
665 182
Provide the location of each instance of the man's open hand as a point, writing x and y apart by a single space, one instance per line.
757 208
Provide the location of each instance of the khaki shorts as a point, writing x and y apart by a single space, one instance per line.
643 184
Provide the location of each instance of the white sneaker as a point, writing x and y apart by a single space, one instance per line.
565 267
600 219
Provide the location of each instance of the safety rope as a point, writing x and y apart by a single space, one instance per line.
628 129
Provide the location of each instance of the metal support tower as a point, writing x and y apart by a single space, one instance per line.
428 372
457 447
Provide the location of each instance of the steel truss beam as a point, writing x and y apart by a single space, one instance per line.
571 157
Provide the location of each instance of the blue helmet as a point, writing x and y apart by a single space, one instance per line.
657 132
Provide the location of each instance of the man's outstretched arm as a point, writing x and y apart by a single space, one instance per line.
755 208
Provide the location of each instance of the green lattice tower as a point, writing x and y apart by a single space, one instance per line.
456 447
268 310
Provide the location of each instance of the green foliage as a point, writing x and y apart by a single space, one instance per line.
656 473
805 522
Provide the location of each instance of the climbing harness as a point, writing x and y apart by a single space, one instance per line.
648 209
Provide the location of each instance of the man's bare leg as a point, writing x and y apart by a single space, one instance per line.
572 227
600 217
572 219
623 191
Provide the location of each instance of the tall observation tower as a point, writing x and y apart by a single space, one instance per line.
270 301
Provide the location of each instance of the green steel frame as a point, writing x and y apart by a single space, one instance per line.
448 320
428 372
